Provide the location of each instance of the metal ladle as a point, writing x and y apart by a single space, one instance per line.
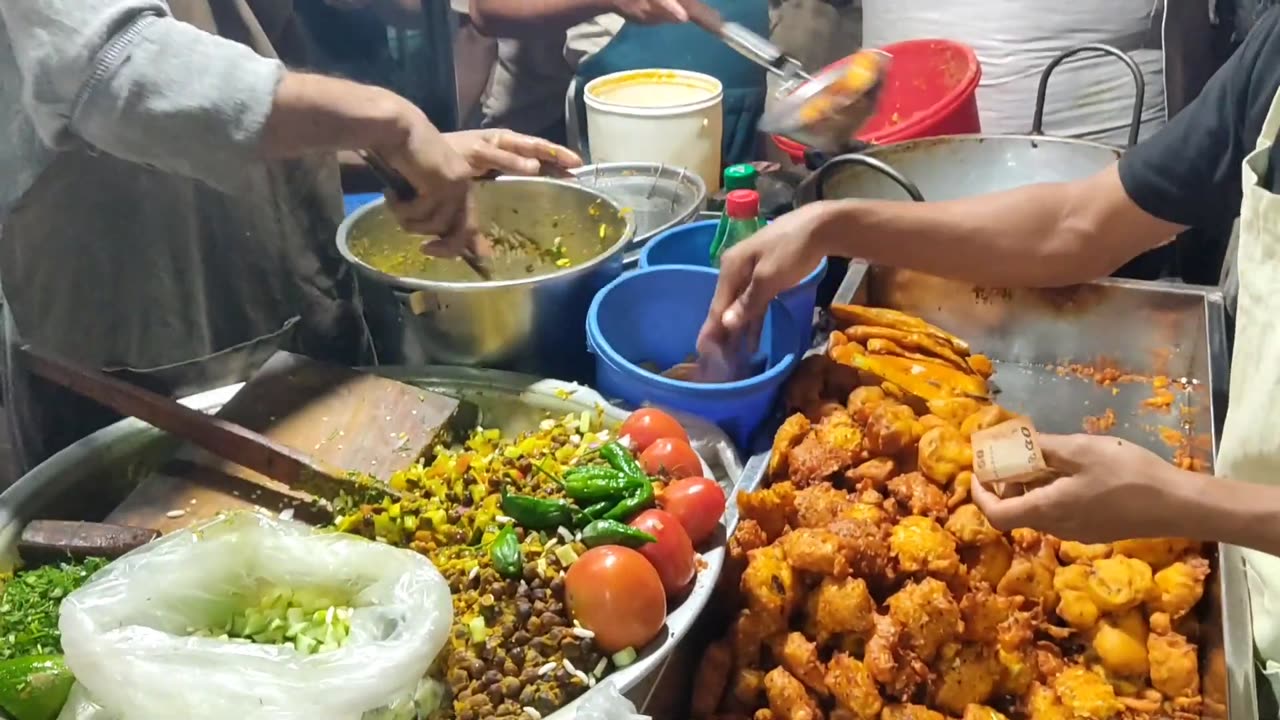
846 111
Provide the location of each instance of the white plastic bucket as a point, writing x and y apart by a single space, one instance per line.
674 117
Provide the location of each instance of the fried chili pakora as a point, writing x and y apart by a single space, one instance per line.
875 590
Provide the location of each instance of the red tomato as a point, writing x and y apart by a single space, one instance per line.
671 458
672 554
647 425
697 502
615 593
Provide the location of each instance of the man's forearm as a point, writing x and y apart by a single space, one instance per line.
1035 236
1215 509
517 18
315 113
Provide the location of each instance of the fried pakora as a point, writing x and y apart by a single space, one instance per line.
873 588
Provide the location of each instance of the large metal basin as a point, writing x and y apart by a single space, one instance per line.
1147 328
88 479
946 168
531 324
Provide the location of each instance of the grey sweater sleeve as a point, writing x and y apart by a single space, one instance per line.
125 77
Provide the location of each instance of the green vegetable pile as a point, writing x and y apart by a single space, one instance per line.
503 519
29 607
311 622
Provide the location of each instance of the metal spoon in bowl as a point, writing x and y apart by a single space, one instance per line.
403 191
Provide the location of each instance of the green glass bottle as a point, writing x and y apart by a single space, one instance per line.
736 177
742 213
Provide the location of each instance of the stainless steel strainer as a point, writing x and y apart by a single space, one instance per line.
658 196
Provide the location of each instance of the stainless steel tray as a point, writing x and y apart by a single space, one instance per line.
1141 327
86 480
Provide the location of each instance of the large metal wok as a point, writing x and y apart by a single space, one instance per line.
955 166
87 479
958 166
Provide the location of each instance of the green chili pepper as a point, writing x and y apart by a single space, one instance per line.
538 514
597 510
608 484
622 460
641 499
612 532
507 555
592 472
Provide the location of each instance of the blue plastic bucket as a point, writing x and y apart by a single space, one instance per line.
691 245
354 201
652 316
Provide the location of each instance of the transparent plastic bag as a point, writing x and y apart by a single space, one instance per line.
604 702
127 633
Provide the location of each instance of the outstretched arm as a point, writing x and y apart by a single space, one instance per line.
517 18
1188 174
126 77
521 18
1111 489
1040 235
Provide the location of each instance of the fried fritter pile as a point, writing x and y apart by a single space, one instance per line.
873 589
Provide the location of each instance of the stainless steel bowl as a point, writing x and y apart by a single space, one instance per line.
531 324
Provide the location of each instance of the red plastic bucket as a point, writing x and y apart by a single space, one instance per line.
930 89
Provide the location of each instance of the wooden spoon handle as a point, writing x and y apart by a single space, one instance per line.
45 541
224 439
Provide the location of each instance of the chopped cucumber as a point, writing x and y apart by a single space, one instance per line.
566 555
311 622
624 657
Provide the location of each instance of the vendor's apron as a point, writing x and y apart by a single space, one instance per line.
164 280
687 47
1250 447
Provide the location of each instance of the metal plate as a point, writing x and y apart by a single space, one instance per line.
1143 327
104 467
659 196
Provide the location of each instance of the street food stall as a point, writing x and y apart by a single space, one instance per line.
502 528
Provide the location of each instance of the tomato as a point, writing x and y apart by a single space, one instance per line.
671 458
646 425
672 555
697 502
615 593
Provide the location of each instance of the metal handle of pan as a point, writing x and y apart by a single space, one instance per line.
572 124
1139 84
824 173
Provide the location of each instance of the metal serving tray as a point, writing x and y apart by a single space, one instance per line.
89 478
1146 328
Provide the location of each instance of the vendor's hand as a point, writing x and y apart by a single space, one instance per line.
753 272
511 153
442 178
1110 489
651 12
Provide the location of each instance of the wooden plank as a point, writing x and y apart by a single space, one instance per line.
351 420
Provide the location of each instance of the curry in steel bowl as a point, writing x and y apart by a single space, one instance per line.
537 227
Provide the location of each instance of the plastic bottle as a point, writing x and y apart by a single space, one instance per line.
742 213
736 177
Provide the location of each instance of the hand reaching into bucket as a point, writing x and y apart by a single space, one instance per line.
754 271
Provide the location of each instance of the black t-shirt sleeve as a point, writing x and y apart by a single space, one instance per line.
1189 172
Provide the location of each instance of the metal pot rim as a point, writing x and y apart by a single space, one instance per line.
411 284
941 139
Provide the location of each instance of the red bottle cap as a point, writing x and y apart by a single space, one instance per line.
742 204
